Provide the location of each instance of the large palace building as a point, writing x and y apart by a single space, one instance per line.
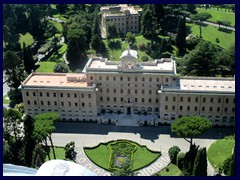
128 91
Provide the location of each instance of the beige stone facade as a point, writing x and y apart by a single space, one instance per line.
115 90
126 18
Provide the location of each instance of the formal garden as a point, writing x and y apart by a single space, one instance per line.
113 154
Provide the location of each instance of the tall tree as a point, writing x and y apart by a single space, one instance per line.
181 35
200 17
202 60
190 127
14 69
29 142
44 127
148 24
28 60
200 163
38 157
62 8
96 43
130 38
111 31
159 13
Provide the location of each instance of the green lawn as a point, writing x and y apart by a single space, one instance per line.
6 101
27 38
170 170
100 155
114 55
219 15
57 25
57 57
220 151
59 151
46 66
210 33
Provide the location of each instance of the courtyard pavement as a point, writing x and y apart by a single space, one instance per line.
155 138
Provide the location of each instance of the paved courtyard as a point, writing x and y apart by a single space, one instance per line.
155 138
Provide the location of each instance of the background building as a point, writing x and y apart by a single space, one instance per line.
126 18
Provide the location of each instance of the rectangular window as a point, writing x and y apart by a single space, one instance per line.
115 99
157 79
76 104
219 100
55 103
34 94
68 94
173 108
121 78
107 78
166 107
114 91
210 108
233 109
27 93
35 102
196 99
136 91
121 99
188 108
82 95
101 98
150 91
89 95
28 102
174 99
75 95
181 99
136 79
107 90
166 98
142 99
62 103
189 99
40 94
218 109
143 79
100 78
143 91
156 100
149 100
128 78
48 103
42 103
166 79
150 79
204 100
203 108
226 100
114 78
195 108
136 100
225 109
211 100
47 94
129 91
180 108
108 99
61 94
54 94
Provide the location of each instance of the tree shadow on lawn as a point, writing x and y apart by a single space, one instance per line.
229 31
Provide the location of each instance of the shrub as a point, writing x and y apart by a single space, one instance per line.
173 152
180 158
142 47
61 68
144 58
69 150
217 40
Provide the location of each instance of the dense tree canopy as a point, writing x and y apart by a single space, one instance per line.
190 127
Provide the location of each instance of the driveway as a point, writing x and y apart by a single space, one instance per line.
155 138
